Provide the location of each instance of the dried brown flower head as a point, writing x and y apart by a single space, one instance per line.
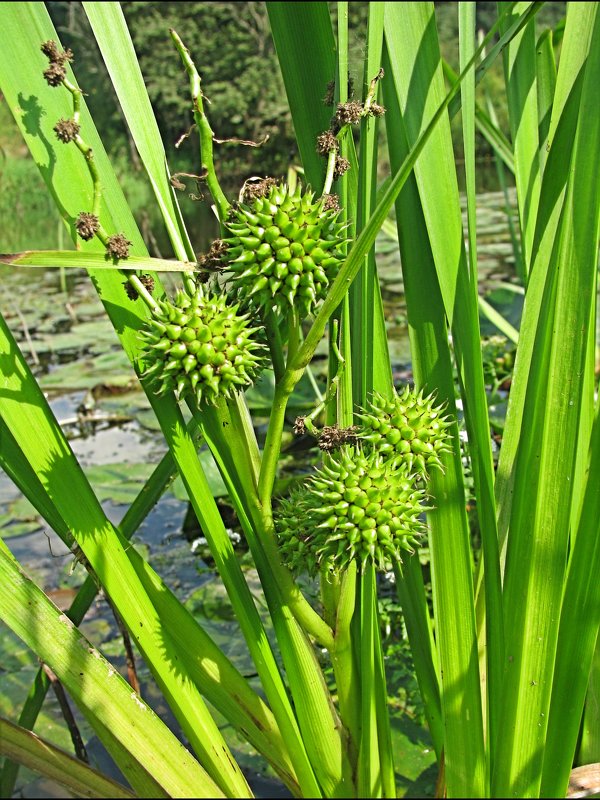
55 74
66 130
342 165
299 426
260 188
213 260
376 110
118 246
331 202
326 142
350 112
333 437
87 225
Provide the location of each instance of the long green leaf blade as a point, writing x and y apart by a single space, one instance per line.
44 259
85 673
43 757
545 464
306 50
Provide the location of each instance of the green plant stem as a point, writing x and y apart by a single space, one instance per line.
331 159
275 345
343 660
143 292
204 129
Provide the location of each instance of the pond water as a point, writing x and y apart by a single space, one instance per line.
96 398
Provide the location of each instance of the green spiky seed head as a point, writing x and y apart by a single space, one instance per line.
358 507
201 346
284 250
410 429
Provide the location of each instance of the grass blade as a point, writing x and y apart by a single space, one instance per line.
43 259
521 92
43 757
545 464
85 673
577 638
306 51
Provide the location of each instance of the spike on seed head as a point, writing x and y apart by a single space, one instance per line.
284 250
408 429
87 225
118 246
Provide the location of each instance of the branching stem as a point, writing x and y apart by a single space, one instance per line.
204 129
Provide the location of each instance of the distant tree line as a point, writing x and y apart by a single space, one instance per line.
233 50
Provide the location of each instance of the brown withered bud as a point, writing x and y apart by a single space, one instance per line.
376 110
333 437
213 260
256 189
55 74
299 426
66 55
66 130
118 246
326 142
331 202
342 165
350 112
147 282
329 94
50 49
87 225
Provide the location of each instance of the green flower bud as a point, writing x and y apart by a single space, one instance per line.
331 521
409 429
210 352
271 239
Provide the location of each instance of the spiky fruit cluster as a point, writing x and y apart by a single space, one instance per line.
201 346
409 429
285 250
358 507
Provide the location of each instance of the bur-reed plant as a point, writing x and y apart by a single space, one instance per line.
505 653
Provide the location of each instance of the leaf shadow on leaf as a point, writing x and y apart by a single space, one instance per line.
32 115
